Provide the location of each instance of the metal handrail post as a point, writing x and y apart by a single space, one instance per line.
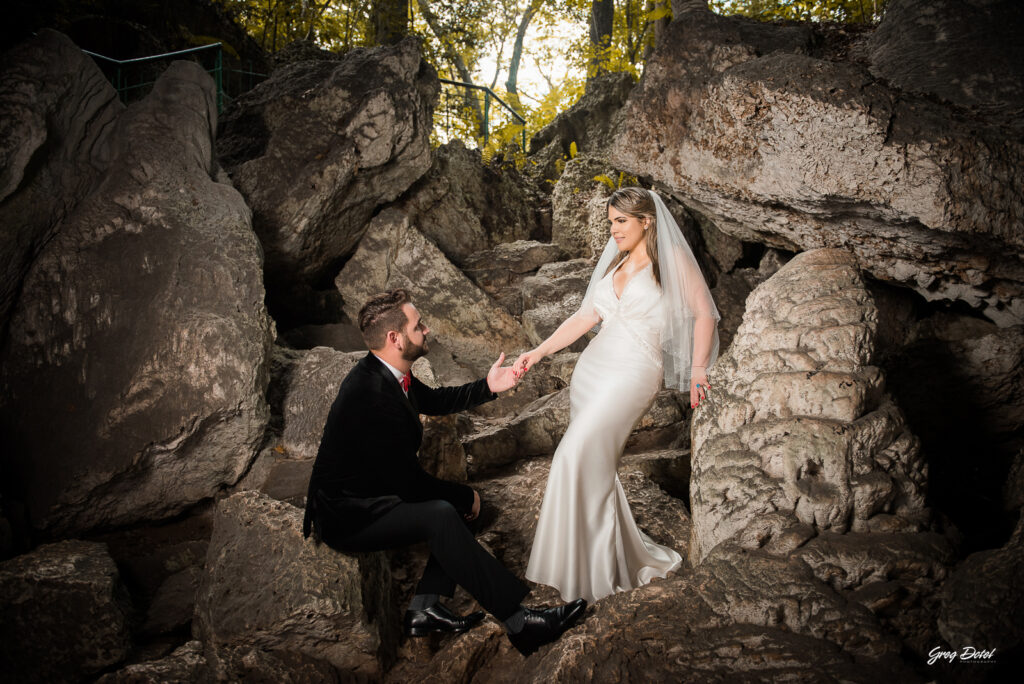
487 116
218 71
489 94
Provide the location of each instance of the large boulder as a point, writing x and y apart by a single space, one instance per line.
500 271
267 588
394 253
553 294
579 219
185 664
493 443
799 421
61 125
140 329
961 52
307 389
780 139
319 146
65 614
982 599
466 206
587 127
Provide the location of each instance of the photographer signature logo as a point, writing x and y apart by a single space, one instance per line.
967 653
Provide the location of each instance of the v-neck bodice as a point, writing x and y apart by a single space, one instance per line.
638 309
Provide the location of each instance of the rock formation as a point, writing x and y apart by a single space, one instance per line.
70 120
134 368
393 253
782 139
465 206
65 613
318 147
799 421
298 598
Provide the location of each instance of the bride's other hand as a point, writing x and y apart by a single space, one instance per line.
526 361
698 387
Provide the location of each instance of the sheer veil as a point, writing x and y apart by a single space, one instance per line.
685 297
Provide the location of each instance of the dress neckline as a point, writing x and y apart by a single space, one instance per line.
618 297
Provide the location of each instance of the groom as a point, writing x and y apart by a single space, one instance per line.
368 491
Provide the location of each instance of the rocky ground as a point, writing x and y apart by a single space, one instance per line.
176 319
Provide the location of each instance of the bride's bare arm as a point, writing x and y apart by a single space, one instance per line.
571 329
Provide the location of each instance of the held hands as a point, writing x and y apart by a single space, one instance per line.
500 379
525 362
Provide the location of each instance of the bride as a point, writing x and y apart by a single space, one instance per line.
658 320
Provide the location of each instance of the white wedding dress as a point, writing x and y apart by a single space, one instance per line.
587 544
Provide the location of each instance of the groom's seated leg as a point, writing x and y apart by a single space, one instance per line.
457 552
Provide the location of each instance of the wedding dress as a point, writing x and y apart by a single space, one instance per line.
587 544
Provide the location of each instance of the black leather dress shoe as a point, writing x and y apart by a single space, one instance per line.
437 618
544 626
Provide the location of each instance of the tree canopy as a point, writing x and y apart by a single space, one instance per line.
492 43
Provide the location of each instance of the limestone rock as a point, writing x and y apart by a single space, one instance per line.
960 380
140 329
590 124
441 453
265 587
174 602
798 420
537 430
393 253
65 613
962 52
343 337
500 271
554 294
739 617
982 598
57 112
184 666
311 387
318 146
759 128
579 220
466 206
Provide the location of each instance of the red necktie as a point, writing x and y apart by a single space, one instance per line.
405 380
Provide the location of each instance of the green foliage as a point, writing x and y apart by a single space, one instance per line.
461 39
844 11
274 24
623 180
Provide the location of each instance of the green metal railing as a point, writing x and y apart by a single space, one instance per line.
123 68
488 96
126 86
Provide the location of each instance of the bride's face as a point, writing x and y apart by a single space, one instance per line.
626 230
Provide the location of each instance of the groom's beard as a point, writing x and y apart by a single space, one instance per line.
415 351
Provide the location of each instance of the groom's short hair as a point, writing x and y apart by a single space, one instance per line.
382 313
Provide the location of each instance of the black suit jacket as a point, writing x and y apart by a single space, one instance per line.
367 463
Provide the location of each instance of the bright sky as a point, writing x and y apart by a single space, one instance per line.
531 83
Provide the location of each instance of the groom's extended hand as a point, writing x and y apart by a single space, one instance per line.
500 379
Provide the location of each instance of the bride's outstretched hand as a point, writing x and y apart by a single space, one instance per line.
525 362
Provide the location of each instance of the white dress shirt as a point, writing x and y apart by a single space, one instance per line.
397 373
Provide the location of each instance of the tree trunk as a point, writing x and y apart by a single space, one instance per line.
517 54
602 16
389 21
453 56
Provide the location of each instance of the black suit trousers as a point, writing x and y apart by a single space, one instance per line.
455 555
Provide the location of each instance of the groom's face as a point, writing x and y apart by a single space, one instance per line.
414 336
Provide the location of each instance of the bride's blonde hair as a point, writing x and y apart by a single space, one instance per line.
637 202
